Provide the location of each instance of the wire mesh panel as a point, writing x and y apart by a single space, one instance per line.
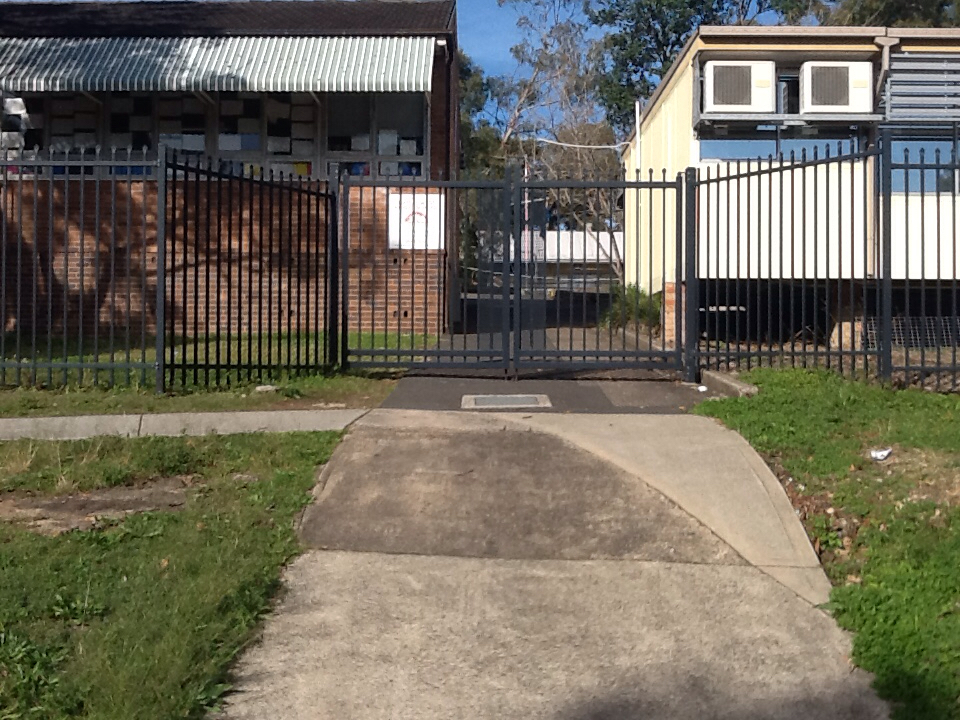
78 269
247 297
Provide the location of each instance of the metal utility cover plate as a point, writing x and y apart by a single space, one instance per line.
504 402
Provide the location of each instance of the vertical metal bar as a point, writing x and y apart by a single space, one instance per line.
49 270
19 314
302 275
48 285
691 344
98 229
128 269
251 329
113 265
344 260
196 271
907 314
270 259
207 305
144 201
399 288
679 280
35 266
923 265
236 325
218 338
955 328
4 195
768 285
83 288
507 253
318 237
332 272
230 332
286 243
185 312
940 330
161 283
744 337
886 267
518 271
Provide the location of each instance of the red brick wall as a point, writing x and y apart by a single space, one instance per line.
391 289
249 264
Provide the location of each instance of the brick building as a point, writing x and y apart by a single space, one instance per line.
313 89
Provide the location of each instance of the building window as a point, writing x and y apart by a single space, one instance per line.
131 122
182 122
73 123
349 123
382 134
240 125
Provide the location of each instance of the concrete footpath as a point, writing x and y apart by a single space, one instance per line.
554 566
78 427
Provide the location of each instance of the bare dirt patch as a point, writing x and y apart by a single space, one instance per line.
82 510
935 474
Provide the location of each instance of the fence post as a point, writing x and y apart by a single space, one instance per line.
691 307
333 270
161 301
343 256
886 260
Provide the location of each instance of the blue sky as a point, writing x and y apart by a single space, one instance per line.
487 32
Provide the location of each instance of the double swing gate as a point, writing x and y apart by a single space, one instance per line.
512 274
180 272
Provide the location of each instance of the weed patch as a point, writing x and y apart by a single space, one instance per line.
142 616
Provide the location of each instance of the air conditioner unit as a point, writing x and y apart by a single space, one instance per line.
740 86
836 87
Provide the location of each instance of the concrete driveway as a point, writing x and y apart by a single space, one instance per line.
570 567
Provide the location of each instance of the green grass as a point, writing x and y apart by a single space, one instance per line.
888 533
242 359
348 389
142 618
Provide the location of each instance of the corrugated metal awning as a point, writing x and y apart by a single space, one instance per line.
255 64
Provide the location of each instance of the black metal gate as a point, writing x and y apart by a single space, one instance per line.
512 274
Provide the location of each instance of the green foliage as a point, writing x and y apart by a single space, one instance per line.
643 39
903 603
631 307
142 618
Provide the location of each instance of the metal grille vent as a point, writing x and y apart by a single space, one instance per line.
830 85
732 85
915 332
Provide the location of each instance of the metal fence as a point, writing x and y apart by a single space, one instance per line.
510 274
175 272
846 261
78 269
247 294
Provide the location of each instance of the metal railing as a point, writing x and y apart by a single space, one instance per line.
247 277
846 261
78 269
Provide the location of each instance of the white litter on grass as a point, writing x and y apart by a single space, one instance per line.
702 388
881 454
